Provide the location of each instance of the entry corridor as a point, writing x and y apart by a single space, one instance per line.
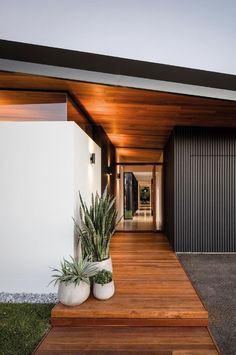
142 221
155 309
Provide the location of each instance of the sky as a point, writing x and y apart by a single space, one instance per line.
190 33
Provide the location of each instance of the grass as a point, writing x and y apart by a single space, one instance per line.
22 326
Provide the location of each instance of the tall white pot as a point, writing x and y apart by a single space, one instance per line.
73 295
104 264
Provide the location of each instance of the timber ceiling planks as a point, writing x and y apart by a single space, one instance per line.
131 117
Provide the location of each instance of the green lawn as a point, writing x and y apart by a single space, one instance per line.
22 326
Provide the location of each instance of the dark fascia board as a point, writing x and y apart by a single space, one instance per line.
114 65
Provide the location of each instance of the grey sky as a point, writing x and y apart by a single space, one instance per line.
191 33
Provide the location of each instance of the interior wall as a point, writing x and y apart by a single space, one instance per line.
43 165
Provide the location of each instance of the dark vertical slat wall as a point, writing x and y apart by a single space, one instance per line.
204 190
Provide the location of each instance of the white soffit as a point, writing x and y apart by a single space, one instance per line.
117 80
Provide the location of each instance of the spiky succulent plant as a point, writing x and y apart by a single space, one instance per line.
74 271
96 226
103 277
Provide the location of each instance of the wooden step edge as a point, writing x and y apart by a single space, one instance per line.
135 322
49 344
188 276
42 340
213 340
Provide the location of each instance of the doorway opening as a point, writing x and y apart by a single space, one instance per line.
139 192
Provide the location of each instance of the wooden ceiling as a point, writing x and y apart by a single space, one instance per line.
132 118
137 155
38 106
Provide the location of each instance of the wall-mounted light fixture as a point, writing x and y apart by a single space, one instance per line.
92 158
118 176
109 170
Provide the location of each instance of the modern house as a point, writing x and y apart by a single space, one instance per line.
189 140
161 137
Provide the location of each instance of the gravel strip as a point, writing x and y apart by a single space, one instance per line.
214 276
28 297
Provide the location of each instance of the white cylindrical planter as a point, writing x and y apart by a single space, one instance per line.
73 295
104 264
103 292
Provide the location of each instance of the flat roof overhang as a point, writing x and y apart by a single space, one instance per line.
132 118
106 92
90 67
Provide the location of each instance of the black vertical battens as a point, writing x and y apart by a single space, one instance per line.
204 194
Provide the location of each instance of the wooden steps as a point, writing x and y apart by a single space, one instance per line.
128 340
155 309
152 289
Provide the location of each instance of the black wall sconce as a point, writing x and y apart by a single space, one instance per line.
109 170
118 176
92 158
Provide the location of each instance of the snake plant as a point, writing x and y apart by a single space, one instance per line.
96 226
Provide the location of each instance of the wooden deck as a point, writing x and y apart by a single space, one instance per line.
151 289
155 309
128 340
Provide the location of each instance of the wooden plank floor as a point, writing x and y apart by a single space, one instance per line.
155 309
152 289
128 340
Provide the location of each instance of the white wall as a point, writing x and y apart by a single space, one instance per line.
42 165
196 34
87 178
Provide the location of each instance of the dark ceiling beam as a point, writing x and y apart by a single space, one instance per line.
113 65
78 105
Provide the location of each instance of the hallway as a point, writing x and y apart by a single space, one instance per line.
142 220
152 290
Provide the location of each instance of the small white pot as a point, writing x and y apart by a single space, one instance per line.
103 292
73 295
104 264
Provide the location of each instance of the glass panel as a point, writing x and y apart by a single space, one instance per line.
130 195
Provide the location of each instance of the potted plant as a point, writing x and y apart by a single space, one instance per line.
74 280
96 227
103 287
